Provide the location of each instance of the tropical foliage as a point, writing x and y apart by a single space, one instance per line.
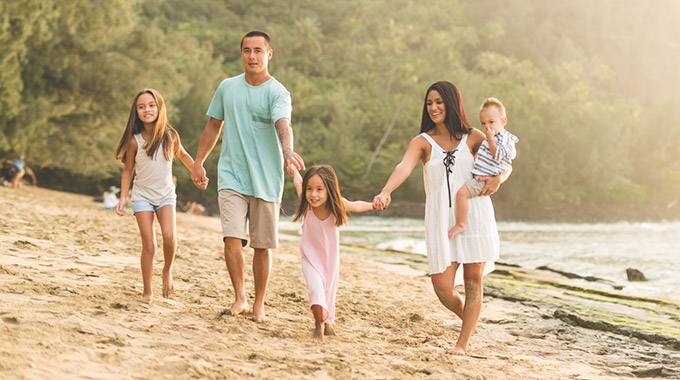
589 85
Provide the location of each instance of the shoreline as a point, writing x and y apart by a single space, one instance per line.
70 283
506 212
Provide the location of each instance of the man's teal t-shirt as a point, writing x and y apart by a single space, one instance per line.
251 161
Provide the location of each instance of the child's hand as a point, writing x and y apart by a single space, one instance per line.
120 207
297 182
381 201
488 131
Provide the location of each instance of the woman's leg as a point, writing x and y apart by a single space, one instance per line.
445 291
474 291
145 223
167 219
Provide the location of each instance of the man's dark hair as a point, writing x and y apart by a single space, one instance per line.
257 33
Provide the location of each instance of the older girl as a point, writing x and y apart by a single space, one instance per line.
149 145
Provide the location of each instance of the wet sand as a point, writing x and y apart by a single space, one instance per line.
70 285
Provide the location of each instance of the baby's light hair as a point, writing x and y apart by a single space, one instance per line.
493 102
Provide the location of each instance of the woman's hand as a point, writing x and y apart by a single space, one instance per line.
381 201
491 186
494 182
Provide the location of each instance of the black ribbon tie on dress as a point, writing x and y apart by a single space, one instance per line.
449 162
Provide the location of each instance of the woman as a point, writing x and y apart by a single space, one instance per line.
446 147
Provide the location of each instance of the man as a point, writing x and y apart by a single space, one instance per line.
255 110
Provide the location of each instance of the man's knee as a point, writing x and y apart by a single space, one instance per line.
233 245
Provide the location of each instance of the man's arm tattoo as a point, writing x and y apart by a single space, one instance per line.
286 137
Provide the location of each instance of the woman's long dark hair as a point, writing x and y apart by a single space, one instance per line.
456 120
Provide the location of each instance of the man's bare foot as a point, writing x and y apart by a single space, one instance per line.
168 288
328 329
318 332
260 317
238 308
258 314
458 351
146 298
455 231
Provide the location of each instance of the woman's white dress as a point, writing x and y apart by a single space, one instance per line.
480 242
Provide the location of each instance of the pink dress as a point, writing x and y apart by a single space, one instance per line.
320 251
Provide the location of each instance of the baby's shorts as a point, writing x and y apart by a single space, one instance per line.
474 187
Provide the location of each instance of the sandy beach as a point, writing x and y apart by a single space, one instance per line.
70 285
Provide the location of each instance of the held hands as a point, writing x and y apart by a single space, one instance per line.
381 201
294 163
198 177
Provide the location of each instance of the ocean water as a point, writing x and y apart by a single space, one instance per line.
603 250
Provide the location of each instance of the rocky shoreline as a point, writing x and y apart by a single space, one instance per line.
638 336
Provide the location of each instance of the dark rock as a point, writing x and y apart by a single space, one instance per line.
635 275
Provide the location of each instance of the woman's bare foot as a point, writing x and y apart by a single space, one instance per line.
146 298
168 287
318 332
455 231
328 329
459 351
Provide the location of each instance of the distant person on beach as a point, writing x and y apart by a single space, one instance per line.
17 171
255 110
493 157
149 146
446 146
110 199
323 210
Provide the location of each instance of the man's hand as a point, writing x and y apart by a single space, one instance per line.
294 163
198 176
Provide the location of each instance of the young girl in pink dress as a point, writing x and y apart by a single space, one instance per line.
324 211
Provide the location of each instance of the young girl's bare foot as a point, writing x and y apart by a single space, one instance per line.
328 329
455 231
168 288
318 332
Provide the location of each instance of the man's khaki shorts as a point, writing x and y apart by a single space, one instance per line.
475 187
240 213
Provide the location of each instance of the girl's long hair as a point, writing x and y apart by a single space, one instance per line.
456 120
161 133
334 202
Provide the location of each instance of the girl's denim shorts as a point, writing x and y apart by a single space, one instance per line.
140 206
